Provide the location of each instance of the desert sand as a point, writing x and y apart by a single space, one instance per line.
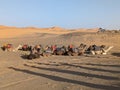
87 72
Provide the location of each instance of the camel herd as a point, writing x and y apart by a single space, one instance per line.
38 50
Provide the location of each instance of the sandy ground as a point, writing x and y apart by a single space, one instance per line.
87 72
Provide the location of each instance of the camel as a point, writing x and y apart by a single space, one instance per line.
104 51
26 47
72 51
99 49
39 49
22 47
18 48
60 51
75 51
33 54
48 51
82 48
7 47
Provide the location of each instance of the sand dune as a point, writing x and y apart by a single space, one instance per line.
9 32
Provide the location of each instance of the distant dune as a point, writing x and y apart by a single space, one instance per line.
10 32
57 35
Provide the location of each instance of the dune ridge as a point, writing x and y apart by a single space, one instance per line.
10 32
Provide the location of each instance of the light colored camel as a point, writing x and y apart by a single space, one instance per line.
102 51
17 48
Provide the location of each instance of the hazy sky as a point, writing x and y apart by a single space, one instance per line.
63 13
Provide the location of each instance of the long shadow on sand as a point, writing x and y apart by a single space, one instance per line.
116 54
61 79
103 65
88 68
75 73
73 64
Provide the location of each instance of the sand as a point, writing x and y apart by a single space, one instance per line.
87 72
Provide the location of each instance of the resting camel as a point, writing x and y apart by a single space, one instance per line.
26 47
18 48
7 47
104 51
33 54
72 51
23 47
82 48
60 51
47 51
39 49
99 49
75 51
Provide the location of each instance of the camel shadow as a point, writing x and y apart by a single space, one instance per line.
116 54
61 63
62 79
51 64
24 56
91 68
30 57
75 73
102 65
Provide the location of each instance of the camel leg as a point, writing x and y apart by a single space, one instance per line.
16 49
107 50
93 52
